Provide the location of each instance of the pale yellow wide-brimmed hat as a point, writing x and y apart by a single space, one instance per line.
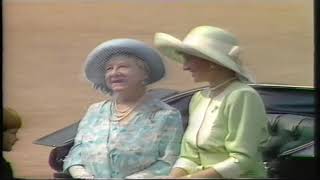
207 42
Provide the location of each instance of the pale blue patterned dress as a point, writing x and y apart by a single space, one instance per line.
147 146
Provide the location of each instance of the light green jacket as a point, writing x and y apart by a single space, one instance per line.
226 133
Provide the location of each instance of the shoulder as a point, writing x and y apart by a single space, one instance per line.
241 90
158 105
162 110
96 106
5 165
242 96
92 114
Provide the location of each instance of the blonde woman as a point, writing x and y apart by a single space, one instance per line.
132 135
227 121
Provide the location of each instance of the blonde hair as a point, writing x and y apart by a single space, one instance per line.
11 119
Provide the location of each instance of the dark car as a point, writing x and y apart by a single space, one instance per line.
288 153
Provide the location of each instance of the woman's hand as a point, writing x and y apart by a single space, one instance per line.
79 172
178 172
86 176
164 177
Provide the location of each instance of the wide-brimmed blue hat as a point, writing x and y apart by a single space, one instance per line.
97 58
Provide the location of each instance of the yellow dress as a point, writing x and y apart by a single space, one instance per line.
226 133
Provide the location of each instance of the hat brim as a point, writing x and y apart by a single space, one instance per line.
173 49
98 57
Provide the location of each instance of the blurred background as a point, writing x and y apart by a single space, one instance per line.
46 42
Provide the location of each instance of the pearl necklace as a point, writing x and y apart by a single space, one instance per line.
222 83
117 115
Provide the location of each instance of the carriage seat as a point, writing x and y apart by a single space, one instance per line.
287 131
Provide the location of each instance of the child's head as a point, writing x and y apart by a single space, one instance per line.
11 124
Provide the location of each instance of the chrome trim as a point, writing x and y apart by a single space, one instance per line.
282 86
296 149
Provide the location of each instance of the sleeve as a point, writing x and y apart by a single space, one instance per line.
74 155
189 156
169 145
188 159
247 125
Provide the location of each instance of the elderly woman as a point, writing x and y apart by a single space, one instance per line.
227 121
133 135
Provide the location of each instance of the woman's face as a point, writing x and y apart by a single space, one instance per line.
9 139
201 70
123 73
